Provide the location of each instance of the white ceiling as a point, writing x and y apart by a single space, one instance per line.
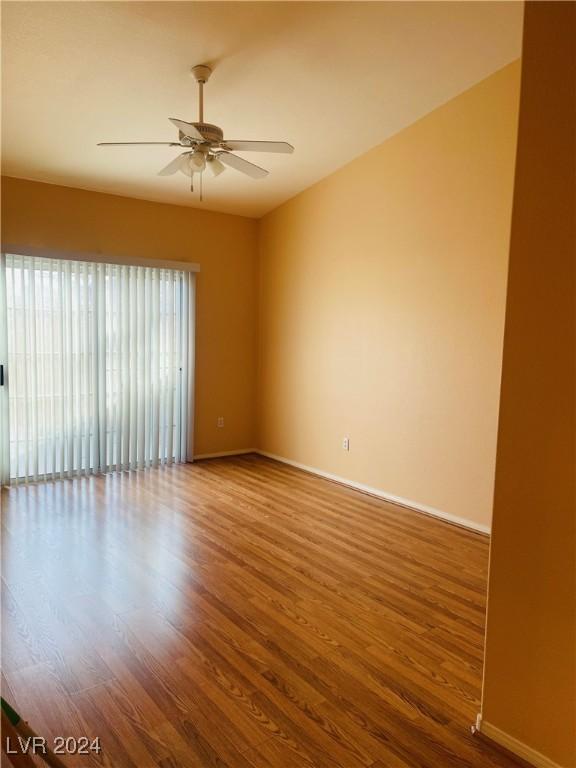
332 78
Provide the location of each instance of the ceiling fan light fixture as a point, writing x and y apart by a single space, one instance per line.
215 166
197 161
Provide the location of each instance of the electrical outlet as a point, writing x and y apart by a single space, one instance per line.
346 443
220 422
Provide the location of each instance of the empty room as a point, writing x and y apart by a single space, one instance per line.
287 384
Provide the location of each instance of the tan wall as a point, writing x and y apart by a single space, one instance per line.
382 307
43 215
530 670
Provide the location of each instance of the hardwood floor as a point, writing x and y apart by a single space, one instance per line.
238 612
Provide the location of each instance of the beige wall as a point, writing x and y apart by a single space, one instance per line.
382 292
43 215
530 670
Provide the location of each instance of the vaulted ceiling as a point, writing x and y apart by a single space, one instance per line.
332 78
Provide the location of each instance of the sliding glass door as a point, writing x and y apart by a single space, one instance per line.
100 366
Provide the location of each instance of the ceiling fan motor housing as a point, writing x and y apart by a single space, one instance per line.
210 133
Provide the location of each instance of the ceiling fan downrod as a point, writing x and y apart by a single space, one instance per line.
202 74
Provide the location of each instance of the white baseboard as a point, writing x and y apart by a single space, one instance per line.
512 744
398 500
238 452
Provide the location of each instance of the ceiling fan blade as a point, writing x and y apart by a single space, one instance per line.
187 129
260 146
137 143
242 165
175 165
215 166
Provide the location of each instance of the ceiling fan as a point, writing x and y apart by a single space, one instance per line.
205 145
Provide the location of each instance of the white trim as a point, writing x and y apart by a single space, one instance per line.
514 745
415 506
98 257
220 454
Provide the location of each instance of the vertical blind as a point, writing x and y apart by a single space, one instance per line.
100 366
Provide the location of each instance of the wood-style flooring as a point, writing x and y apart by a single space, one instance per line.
238 612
